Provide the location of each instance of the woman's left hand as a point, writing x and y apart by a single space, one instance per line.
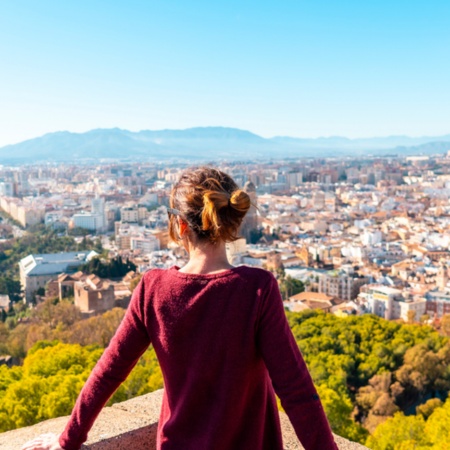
47 441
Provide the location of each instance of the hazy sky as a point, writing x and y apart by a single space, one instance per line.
301 68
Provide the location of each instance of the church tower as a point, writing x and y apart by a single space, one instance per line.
442 278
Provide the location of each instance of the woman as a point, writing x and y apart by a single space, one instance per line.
221 337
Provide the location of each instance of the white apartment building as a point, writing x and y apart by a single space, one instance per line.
369 238
380 300
88 221
146 244
133 214
95 220
389 303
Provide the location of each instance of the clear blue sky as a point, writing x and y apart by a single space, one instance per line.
301 68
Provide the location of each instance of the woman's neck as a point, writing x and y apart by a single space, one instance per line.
206 258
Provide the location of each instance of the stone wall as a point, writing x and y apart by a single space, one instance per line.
132 425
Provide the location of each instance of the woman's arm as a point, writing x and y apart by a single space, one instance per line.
128 344
290 377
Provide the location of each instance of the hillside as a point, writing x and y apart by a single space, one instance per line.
205 143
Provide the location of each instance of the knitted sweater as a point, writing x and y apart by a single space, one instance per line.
224 346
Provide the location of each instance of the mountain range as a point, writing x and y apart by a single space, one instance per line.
207 143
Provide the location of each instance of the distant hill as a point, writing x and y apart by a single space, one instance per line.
206 143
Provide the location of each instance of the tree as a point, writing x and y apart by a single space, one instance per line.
11 287
411 314
427 408
97 330
52 376
98 247
338 409
135 281
47 385
290 286
396 430
62 314
255 235
445 324
437 427
115 268
424 318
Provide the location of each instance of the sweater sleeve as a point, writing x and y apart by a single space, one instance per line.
289 374
128 344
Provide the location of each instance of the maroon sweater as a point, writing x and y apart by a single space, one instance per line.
222 341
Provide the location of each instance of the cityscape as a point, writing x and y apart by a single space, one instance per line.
362 236
353 238
327 318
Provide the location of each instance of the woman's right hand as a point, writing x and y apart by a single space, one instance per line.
49 441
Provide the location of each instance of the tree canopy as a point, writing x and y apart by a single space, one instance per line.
371 374
115 268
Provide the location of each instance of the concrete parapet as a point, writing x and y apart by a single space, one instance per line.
132 424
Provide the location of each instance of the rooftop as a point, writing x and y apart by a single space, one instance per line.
52 263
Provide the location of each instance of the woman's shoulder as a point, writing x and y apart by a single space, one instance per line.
153 274
247 273
261 276
242 270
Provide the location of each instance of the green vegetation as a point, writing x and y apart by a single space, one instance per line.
54 320
115 268
78 231
61 350
46 385
51 378
368 369
371 374
414 432
4 216
290 286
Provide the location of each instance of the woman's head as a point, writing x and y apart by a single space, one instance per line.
211 204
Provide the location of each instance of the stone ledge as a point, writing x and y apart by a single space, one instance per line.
133 424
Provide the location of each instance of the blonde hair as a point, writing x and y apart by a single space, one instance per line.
211 203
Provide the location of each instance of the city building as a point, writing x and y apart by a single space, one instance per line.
340 284
311 300
94 295
37 270
94 220
250 222
391 304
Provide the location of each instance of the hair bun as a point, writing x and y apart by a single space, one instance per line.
240 200
213 201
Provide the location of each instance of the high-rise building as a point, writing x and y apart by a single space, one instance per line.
98 209
6 189
250 222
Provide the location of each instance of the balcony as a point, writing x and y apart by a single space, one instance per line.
133 424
